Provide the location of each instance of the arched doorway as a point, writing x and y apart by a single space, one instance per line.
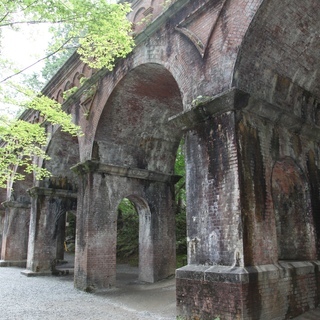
135 236
133 156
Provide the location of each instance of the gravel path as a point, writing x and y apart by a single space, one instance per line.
52 298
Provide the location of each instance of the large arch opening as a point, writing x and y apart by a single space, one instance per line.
134 133
134 241
133 130
181 207
278 59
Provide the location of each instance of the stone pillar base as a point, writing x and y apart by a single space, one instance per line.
13 263
29 273
267 292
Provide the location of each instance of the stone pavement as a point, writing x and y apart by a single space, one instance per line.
52 298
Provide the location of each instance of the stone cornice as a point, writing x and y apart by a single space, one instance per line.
136 173
16 204
234 99
51 192
205 108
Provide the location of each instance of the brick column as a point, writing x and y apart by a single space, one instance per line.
15 234
48 207
233 268
2 215
96 232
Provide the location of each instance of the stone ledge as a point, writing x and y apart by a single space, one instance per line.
110 169
29 273
16 204
13 263
204 108
51 192
246 274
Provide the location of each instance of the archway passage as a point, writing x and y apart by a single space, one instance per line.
134 241
133 156
127 234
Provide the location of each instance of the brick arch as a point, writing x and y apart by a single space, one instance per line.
19 191
133 129
63 151
76 79
279 57
59 97
68 85
293 213
139 15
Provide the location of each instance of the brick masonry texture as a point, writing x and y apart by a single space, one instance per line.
239 82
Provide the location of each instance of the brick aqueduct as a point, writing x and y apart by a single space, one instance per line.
239 80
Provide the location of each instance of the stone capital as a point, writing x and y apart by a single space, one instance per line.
232 100
51 192
110 169
204 108
16 204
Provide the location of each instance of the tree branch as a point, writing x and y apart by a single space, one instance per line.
12 23
44 58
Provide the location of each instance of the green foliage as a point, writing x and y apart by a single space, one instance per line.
101 33
180 197
99 30
167 3
69 92
23 143
55 61
107 38
128 231
20 151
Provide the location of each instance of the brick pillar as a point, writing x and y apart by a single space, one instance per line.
47 207
160 198
15 234
101 189
233 175
96 234
2 215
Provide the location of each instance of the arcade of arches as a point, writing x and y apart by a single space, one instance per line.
239 81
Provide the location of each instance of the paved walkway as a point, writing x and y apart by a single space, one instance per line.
53 298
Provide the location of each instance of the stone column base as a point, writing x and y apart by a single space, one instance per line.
13 263
29 273
277 291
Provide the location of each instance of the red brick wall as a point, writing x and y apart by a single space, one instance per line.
266 292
